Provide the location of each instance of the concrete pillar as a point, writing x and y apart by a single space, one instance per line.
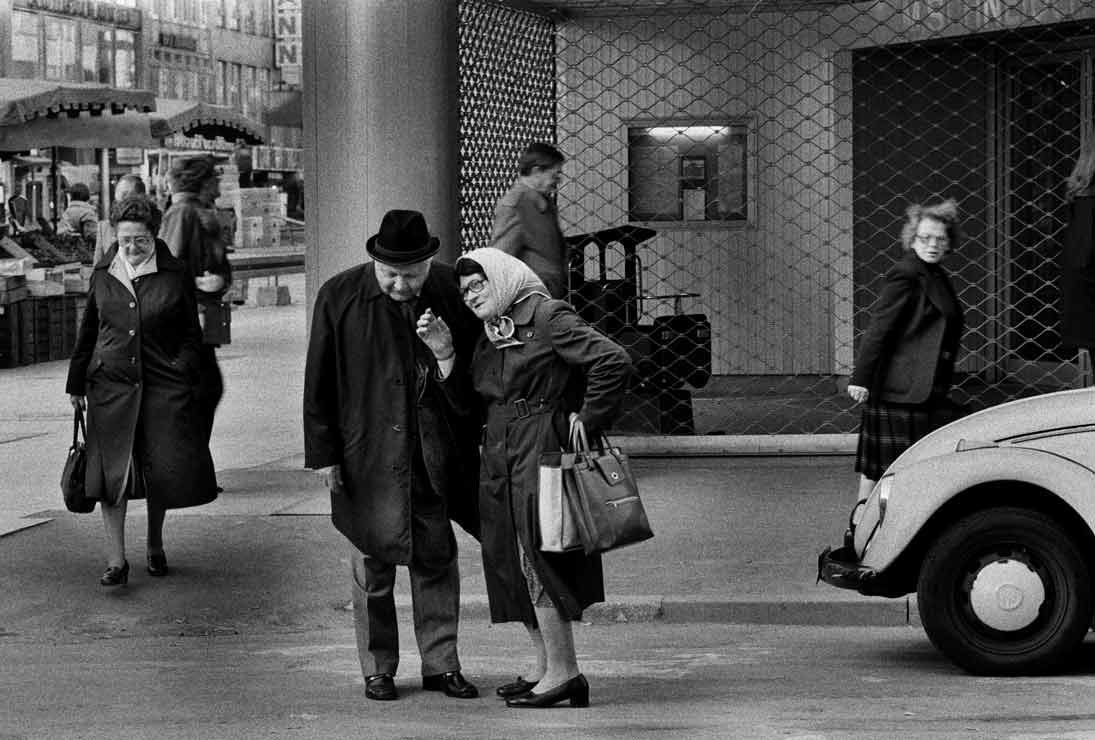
380 124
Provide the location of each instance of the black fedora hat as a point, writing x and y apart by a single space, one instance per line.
403 239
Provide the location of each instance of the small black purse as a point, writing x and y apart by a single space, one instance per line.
72 477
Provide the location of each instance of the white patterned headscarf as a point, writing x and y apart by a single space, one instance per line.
509 281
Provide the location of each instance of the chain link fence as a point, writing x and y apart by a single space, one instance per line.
738 173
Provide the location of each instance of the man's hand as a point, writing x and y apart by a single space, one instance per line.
435 334
209 283
858 393
331 477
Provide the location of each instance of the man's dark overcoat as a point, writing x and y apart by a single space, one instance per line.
136 361
362 409
559 355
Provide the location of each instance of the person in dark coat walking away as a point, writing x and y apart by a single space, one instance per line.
193 234
526 223
399 463
905 365
135 369
1078 260
540 369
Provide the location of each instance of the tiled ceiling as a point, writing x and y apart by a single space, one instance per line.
644 7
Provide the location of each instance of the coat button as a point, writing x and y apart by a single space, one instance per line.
397 428
132 360
132 332
132 304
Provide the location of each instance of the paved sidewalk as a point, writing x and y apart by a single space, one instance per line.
736 537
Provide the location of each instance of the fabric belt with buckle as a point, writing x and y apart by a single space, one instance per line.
522 408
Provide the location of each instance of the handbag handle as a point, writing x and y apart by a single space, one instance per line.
579 439
78 427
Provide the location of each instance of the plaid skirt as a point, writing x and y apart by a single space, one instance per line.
888 429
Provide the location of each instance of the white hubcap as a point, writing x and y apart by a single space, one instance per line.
1006 595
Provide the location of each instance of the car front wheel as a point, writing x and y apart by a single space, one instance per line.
1005 591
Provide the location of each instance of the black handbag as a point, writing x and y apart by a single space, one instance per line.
603 495
72 477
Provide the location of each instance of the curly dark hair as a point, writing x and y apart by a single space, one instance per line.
189 174
138 208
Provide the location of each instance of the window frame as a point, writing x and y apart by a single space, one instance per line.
661 220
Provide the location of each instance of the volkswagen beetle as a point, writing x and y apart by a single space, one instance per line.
989 520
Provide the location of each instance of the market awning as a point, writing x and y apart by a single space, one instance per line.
81 132
22 101
207 120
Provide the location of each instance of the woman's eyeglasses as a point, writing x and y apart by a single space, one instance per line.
476 286
141 241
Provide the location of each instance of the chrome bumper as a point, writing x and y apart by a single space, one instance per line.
841 568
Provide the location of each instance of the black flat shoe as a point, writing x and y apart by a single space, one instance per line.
576 690
381 687
452 683
515 688
115 576
157 565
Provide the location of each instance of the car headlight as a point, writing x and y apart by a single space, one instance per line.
884 487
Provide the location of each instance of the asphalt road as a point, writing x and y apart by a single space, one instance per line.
649 680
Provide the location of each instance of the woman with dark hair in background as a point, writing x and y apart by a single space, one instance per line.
905 364
193 234
134 369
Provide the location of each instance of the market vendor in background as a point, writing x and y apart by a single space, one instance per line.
80 218
193 233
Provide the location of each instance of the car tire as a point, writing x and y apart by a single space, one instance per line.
1006 591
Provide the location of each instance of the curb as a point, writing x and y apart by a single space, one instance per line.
899 612
730 445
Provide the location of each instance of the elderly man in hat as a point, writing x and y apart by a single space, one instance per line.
398 461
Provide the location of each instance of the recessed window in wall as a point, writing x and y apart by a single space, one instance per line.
25 44
679 172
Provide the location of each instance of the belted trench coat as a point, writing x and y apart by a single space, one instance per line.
363 411
563 365
136 361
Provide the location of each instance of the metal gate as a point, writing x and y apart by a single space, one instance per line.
762 155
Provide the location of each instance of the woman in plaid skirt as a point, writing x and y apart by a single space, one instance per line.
906 357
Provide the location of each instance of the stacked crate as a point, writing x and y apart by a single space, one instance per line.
260 216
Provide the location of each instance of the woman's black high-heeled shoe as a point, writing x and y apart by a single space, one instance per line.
157 565
515 688
576 690
115 576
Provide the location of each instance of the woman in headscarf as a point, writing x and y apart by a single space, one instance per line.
540 370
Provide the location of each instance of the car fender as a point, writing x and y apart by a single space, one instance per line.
921 489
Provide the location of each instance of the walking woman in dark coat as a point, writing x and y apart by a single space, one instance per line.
539 369
905 364
136 370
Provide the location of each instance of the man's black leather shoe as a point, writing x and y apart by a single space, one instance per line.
381 687
452 683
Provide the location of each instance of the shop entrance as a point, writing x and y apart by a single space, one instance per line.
1048 107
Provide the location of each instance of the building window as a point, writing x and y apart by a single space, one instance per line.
220 91
25 44
61 50
96 46
125 59
232 85
231 15
690 172
262 86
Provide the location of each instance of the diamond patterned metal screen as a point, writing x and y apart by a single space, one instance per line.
760 157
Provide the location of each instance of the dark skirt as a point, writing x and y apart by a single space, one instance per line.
888 429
